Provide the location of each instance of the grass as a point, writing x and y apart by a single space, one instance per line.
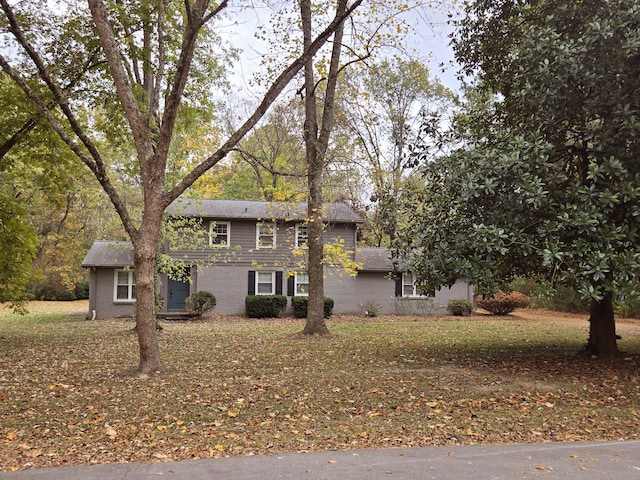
242 387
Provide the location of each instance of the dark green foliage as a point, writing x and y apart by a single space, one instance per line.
81 291
561 298
459 307
50 292
629 307
299 305
265 306
502 303
200 302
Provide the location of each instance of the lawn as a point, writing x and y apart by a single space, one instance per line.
237 386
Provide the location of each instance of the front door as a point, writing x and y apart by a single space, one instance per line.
178 293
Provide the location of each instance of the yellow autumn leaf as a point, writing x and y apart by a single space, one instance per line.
161 427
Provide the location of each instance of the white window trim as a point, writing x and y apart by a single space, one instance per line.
406 277
130 285
214 223
295 285
273 283
306 240
409 279
273 227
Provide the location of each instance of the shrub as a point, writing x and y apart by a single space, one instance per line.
370 309
502 303
200 302
459 307
81 290
300 304
265 306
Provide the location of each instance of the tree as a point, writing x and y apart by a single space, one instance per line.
152 50
382 106
316 140
18 244
275 154
546 178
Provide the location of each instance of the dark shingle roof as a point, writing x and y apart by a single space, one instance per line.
374 259
252 210
106 253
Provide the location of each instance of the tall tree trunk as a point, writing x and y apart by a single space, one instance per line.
317 143
315 308
316 323
146 247
602 329
150 362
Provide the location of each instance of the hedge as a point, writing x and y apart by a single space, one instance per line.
265 306
300 304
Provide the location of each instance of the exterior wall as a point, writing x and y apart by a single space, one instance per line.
242 245
229 284
101 298
353 295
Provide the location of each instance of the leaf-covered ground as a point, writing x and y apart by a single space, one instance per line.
237 386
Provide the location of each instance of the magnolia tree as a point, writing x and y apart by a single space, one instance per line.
146 67
546 179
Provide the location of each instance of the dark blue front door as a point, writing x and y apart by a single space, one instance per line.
178 293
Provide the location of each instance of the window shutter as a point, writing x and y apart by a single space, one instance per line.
399 286
291 286
278 283
252 282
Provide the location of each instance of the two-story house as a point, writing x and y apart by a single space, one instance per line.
258 248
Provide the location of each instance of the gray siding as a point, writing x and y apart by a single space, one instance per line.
101 297
353 295
243 251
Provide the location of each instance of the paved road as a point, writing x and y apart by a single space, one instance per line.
562 461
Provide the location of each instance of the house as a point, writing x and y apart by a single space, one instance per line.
258 248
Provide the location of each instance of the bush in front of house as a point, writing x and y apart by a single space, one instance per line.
265 306
459 307
300 305
200 302
502 303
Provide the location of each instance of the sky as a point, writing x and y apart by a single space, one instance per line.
428 39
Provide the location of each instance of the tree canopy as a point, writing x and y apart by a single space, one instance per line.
545 178
143 67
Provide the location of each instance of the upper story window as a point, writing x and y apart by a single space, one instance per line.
125 286
302 236
219 234
410 287
265 235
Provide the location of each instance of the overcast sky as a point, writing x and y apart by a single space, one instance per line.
428 39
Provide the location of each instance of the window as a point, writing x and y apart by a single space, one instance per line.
411 289
408 285
302 236
302 284
266 235
265 283
219 234
125 286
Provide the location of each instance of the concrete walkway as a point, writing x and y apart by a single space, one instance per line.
562 461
